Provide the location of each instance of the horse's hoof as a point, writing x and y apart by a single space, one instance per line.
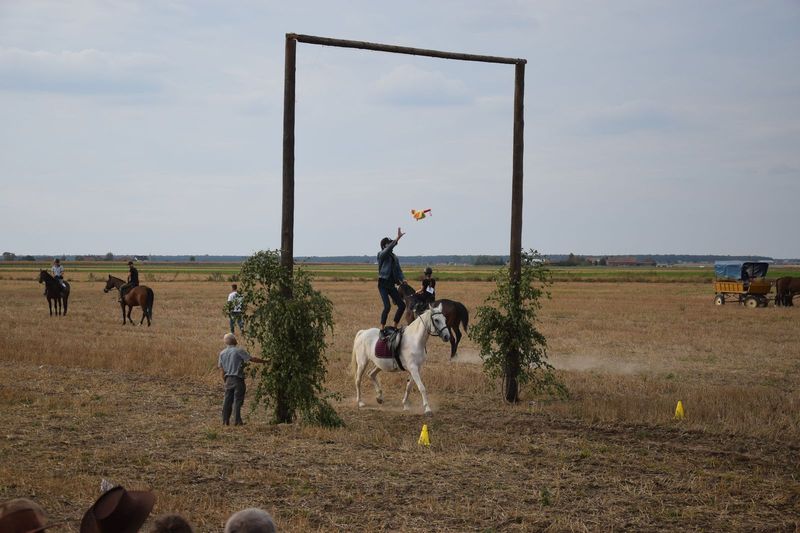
379 400
361 404
428 412
405 407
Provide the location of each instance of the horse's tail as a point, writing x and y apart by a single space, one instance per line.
463 313
353 362
353 355
66 297
150 297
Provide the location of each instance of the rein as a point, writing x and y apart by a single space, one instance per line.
437 331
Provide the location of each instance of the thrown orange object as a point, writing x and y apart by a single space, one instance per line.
419 215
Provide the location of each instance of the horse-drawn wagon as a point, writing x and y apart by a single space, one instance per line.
742 281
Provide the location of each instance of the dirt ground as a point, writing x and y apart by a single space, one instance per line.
83 399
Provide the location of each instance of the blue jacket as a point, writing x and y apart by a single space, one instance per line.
389 265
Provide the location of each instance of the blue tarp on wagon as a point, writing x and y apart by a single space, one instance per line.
740 269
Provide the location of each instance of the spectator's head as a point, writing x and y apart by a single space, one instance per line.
118 511
428 271
384 242
171 523
234 287
250 521
21 515
130 263
230 339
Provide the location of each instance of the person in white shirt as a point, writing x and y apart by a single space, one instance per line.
235 309
58 272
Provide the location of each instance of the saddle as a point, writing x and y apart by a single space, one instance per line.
388 344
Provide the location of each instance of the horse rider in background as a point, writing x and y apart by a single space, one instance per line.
133 281
427 294
58 272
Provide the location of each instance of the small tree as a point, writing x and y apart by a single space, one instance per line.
108 257
511 346
290 333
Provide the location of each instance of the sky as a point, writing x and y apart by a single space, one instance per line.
155 127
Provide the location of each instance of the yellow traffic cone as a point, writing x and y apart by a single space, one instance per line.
679 411
424 440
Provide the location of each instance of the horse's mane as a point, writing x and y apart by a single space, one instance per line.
116 278
46 275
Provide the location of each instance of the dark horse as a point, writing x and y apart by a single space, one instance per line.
454 312
141 296
785 289
54 291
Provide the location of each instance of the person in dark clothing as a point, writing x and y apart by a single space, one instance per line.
428 290
133 281
427 294
389 276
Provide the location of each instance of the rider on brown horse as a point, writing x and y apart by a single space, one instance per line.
133 281
58 273
427 294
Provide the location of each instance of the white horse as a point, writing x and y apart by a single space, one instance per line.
411 352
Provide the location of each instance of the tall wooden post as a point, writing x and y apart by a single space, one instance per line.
512 367
287 219
283 411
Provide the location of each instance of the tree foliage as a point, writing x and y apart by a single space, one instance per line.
510 344
289 330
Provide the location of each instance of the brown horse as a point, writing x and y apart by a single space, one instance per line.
54 292
141 296
785 289
454 312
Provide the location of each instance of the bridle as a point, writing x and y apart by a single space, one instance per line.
432 328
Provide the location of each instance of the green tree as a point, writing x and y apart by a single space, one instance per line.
289 331
108 257
510 344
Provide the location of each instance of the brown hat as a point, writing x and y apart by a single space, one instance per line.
22 515
118 511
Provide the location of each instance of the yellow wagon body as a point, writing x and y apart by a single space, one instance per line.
756 286
742 281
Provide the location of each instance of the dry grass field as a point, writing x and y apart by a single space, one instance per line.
83 398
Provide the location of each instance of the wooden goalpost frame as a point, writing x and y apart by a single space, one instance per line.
287 221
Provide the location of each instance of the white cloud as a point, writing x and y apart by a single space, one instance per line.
409 85
629 117
86 71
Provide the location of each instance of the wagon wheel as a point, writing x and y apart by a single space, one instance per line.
719 299
751 302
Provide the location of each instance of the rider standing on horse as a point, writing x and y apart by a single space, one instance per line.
133 281
389 275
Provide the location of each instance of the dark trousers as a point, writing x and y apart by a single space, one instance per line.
387 289
125 288
234 398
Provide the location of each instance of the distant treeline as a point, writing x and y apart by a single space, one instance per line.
554 259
